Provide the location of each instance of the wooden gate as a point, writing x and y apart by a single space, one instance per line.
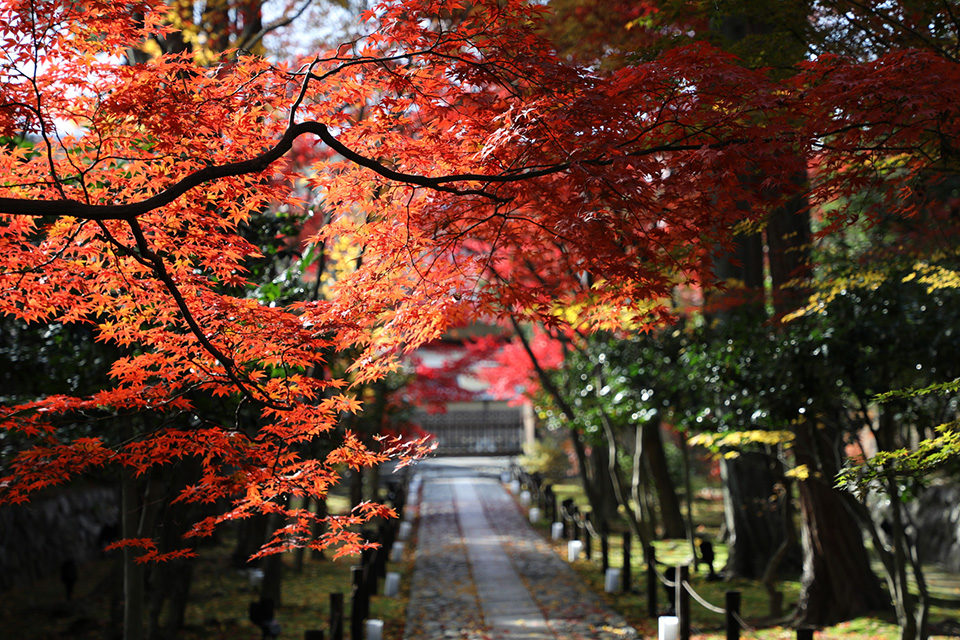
480 432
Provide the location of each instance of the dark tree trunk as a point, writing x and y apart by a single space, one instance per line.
272 578
317 528
656 459
742 273
252 534
595 478
273 564
605 497
373 483
753 514
838 583
300 554
170 582
356 487
788 239
133 572
171 593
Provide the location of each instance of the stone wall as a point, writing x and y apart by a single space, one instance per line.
35 538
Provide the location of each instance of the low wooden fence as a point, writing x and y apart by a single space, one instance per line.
493 432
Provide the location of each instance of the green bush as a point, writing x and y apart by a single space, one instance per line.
547 457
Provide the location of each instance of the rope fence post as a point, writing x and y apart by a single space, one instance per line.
732 606
625 574
336 616
368 559
805 633
604 547
651 557
587 538
683 601
357 604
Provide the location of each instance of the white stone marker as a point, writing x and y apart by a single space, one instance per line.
556 530
515 487
405 529
374 630
668 627
611 580
574 547
534 514
525 498
391 586
396 552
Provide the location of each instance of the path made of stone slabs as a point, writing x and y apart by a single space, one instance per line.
482 573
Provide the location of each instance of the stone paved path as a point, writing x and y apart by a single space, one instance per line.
482 573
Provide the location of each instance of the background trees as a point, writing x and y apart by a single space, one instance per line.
458 165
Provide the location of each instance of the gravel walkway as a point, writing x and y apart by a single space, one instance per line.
482 573
443 600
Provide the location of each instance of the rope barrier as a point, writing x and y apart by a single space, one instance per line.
663 579
743 624
568 517
706 605
590 529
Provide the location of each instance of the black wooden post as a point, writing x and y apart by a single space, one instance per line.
625 573
555 507
732 605
384 535
368 560
805 633
336 616
651 556
604 548
357 613
587 538
313 634
683 601
399 497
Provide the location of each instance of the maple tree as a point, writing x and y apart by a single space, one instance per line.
774 35
466 170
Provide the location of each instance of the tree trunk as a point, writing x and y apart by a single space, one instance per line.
171 593
300 554
640 482
656 459
250 537
788 239
373 482
356 487
838 583
317 528
273 568
272 578
742 273
170 582
754 520
605 495
133 572
688 494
